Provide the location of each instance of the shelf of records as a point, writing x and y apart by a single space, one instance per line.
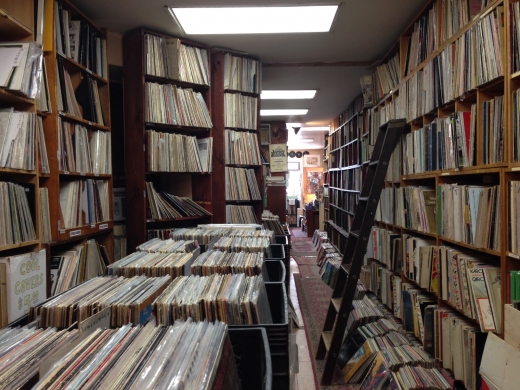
272 222
174 59
240 112
80 43
21 137
345 133
82 150
126 356
241 185
81 96
241 148
439 213
164 206
167 152
348 180
240 214
242 74
173 105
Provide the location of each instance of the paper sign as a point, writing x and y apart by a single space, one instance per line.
278 157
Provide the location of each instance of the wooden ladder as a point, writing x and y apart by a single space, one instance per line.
341 302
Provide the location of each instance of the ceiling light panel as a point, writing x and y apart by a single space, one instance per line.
301 94
255 20
283 112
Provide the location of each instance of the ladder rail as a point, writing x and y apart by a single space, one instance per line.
355 250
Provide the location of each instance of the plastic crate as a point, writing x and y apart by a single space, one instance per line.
273 271
253 358
278 253
277 334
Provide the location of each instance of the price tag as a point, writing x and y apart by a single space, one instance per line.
82 173
513 255
103 226
89 71
66 172
90 123
75 233
96 174
93 225
445 174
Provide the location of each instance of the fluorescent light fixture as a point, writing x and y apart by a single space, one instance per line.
315 128
254 20
283 112
301 94
304 140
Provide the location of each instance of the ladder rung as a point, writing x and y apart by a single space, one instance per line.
373 162
337 303
354 233
363 199
327 339
345 268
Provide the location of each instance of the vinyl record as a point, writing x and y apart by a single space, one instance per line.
299 154
306 152
292 154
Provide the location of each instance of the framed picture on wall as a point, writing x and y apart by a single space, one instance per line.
311 161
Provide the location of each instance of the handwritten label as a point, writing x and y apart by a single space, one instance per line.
103 226
75 233
89 71
62 231
92 226
26 282
99 320
515 169
513 255
445 174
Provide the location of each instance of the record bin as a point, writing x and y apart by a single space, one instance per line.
273 271
278 253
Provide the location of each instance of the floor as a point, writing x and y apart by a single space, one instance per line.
305 378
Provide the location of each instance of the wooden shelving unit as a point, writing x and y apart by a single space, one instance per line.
218 92
197 186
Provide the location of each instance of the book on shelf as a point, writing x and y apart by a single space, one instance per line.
172 105
43 159
23 284
45 218
241 148
493 131
43 98
470 214
18 139
15 214
242 74
171 58
82 262
169 152
241 184
79 41
87 96
83 202
240 214
240 111
163 205
21 67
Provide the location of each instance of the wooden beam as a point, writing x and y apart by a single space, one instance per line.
315 64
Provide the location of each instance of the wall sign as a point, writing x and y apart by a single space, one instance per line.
278 155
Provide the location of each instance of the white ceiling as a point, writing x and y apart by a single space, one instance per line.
364 30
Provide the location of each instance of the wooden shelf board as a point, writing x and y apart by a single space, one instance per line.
246 130
177 173
18 171
327 339
19 245
74 65
252 94
81 174
179 83
11 28
433 235
243 201
463 244
83 121
178 219
242 165
176 128
13 98
84 231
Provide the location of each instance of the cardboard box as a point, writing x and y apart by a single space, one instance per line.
26 282
500 364
512 326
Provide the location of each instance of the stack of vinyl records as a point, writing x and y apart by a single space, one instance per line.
245 240
242 74
234 299
84 202
240 111
72 267
167 206
21 67
127 357
216 262
126 298
240 214
201 234
151 264
172 105
241 184
168 246
15 215
272 222
241 148
18 139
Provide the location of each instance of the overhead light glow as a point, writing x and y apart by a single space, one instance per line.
255 20
315 128
301 94
305 140
283 112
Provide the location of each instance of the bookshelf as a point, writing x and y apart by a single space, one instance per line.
139 147
235 97
78 139
426 169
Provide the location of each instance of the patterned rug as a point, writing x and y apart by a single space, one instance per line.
307 266
314 297
302 246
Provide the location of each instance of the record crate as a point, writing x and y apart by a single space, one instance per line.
277 334
253 358
273 271
278 253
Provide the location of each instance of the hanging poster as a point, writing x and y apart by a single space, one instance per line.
278 154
